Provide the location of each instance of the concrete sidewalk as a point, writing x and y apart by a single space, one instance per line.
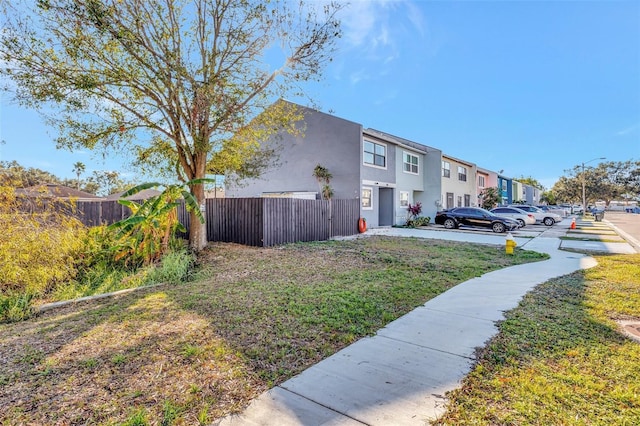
400 375
587 234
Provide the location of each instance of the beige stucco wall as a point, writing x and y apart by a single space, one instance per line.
457 187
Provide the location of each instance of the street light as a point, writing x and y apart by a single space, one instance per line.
584 195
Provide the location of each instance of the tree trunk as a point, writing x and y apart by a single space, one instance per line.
198 230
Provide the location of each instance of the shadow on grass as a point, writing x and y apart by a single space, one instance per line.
103 362
558 359
204 349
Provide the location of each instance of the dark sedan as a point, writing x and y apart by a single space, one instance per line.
474 217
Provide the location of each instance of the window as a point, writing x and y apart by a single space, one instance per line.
404 199
481 181
467 200
446 169
462 173
375 154
459 201
472 212
410 163
367 199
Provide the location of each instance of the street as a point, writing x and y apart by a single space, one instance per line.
628 224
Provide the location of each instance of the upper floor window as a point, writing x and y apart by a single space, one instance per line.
481 181
462 173
446 169
410 163
375 154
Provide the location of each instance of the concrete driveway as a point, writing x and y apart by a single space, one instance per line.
618 233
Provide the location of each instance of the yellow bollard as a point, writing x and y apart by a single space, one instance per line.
510 244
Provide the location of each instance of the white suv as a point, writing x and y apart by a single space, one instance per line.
541 216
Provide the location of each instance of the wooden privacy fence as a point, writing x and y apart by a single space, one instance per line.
94 213
261 222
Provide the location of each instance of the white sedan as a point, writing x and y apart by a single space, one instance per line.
521 216
541 216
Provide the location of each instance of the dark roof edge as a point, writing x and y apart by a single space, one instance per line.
399 141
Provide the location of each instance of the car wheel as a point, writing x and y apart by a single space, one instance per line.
498 227
548 221
521 222
450 224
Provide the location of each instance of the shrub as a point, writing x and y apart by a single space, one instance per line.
145 236
174 267
48 256
414 210
15 307
418 221
38 251
414 219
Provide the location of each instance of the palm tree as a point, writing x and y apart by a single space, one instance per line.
78 169
323 175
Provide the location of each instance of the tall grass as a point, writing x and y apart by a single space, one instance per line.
39 250
48 256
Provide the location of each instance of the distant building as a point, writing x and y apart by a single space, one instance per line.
52 190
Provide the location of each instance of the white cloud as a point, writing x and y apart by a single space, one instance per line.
358 76
387 96
375 25
376 34
358 20
417 18
629 130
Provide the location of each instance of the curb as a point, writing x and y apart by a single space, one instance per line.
55 305
632 241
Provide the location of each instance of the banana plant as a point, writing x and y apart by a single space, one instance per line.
145 235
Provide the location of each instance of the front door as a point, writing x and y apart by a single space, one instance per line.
385 207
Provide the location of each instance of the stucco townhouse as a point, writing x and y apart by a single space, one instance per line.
459 183
385 172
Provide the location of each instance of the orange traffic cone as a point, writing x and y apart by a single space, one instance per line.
573 223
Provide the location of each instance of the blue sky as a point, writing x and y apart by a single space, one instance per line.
533 88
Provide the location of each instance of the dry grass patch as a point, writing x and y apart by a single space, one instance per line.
95 367
191 353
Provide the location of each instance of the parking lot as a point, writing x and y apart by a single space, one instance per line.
531 231
621 226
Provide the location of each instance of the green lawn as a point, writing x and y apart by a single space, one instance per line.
559 358
190 353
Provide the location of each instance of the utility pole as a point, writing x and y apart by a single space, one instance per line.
584 192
